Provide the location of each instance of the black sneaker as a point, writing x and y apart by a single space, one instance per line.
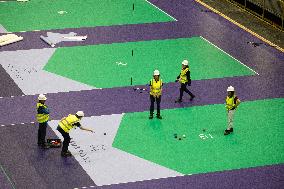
64 154
192 97
151 117
159 117
69 153
39 144
226 132
231 130
178 101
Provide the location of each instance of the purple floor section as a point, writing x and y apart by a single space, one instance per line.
271 177
123 100
31 167
4 181
7 85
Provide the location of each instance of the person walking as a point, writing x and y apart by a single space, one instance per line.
184 79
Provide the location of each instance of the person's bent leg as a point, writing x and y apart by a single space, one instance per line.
66 141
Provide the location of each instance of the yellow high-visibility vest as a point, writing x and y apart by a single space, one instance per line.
183 78
41 118
230 102
156 87
67 123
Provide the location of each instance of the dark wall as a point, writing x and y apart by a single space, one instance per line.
270 10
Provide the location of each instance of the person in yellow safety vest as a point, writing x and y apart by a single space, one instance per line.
232 102
42 119
184 79
64 127
155 94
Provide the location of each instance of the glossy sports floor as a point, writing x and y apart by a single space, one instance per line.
129 39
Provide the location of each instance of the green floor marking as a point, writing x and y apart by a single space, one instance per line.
43 15
258 138
99 65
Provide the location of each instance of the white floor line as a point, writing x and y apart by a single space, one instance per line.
10 181
3 30
161 10
13 96
17 124
28 31
229 55
85 187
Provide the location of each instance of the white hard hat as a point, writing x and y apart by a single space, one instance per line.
42 97
231 89
156 72
185 62
80 113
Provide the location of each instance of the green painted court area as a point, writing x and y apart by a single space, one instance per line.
258 138
43 14
112 65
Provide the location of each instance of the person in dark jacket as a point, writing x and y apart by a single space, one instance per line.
184 79
156 85
42 119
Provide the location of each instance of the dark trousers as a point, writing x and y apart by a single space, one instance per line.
184 89
66 137
41 133
158 101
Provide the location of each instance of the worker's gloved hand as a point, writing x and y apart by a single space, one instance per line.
189 83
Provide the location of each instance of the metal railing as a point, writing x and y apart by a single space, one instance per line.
268 10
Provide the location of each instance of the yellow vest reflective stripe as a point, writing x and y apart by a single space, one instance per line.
183 78
66 123
230 102
41 118
156 87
